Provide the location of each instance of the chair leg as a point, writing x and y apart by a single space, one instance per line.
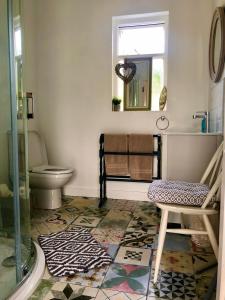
211 235
162 234
182 220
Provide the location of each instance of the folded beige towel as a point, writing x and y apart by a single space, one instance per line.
116 164
141 167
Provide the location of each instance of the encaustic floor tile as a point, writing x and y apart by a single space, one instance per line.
41 291
203 282
39 215
60 218
174 286
74 226
110 248
70 210
109 236
172 261
66 200
49 277
133 256
95 212
175 242
116 219
80 202
203 262
67 210
107 294
139 239
93 278
46 228
148 225
34 233
127 279
70 291
145 211
87 221
38 229
121 204
199 249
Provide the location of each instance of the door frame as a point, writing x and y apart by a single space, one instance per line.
220 295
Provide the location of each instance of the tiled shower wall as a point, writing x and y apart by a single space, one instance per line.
216 106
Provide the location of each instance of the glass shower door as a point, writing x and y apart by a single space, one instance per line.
9 274
15 237
25 228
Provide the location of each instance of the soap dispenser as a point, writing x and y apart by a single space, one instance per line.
203 126
204 115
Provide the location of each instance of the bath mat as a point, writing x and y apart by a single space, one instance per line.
72 251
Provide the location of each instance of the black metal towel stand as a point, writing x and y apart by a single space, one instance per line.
103 177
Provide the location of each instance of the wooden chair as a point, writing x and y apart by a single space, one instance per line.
189 199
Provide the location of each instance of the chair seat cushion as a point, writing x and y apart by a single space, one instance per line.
178 192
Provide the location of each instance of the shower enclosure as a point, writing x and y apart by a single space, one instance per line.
16 248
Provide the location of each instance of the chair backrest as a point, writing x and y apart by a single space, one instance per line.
214 173
214 167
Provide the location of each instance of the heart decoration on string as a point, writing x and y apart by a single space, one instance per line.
126 71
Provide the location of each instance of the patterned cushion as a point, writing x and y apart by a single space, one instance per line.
178 192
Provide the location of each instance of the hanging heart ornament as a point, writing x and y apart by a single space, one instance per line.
126 71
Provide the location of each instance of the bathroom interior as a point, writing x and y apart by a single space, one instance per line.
62 63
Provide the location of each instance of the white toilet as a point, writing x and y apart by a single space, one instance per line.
46 180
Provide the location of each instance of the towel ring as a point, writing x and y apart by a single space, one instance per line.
162 119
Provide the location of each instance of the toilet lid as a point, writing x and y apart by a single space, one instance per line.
46 169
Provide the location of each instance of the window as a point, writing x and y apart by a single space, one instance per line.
18 43
142 40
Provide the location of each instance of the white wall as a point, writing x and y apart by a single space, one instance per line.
29 52
74 50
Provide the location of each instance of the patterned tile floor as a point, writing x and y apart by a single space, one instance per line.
128 230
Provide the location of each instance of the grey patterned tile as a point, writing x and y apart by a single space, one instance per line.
145 224
116 219
139 239
174 286
64 291
133 256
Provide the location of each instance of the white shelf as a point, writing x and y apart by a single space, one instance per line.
193 133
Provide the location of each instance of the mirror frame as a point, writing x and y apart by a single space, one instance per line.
218 20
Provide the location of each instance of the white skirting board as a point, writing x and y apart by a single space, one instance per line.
128 193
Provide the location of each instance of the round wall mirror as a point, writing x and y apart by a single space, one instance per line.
217 45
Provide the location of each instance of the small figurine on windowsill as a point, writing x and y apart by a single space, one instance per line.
116 104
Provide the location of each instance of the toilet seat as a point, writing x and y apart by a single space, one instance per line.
49 169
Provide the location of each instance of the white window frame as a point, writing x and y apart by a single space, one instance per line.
135 20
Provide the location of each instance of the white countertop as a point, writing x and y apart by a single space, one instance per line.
192 133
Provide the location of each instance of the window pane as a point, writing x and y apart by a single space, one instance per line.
141 40
157 81
18 42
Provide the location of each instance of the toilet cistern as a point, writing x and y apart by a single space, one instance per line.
204 115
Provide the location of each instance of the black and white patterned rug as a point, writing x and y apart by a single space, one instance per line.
72 251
